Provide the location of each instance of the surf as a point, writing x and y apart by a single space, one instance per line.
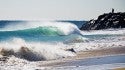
65 27
40 31
34 51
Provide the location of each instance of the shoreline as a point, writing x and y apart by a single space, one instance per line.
20 64
101 52
87 54
119 68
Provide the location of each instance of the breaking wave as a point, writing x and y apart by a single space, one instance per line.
43 28
36 41
14 35
34 51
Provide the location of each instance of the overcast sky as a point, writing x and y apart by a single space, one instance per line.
58 9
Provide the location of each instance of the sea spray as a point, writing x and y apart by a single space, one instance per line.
40 31
65 27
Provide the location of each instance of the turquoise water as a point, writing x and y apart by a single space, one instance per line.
28 31
39 31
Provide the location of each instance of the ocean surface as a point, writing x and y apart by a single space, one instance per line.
45 40
39 31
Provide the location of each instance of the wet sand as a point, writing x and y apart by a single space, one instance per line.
103 59
119 69
86 55
78 62
101 52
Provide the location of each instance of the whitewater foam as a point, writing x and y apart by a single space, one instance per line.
104 32
34 51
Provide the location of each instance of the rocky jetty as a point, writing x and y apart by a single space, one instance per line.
105 21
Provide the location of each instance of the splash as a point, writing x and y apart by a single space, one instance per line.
34 51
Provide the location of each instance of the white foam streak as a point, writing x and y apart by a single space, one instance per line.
107 32
94 45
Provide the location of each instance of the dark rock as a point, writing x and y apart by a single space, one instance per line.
71 49
4 58
105 21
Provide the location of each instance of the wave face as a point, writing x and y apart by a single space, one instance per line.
43 31
38 30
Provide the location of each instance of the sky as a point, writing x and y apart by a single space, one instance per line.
58 9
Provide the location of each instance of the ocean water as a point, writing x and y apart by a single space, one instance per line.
37 40
45 40
38 31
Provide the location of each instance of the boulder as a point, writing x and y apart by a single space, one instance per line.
105 21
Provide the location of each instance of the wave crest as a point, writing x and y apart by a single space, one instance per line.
43 28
